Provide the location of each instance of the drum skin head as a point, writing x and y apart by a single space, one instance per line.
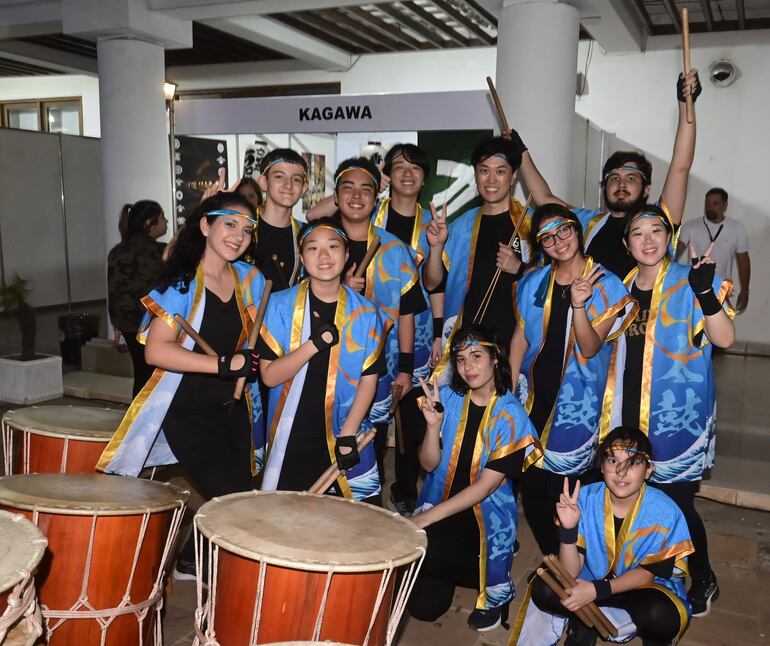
83 494
310 532
22 545
75 421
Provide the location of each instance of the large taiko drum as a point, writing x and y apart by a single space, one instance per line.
283 566
57 439
109 538
22 546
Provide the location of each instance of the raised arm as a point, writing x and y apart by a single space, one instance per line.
529 174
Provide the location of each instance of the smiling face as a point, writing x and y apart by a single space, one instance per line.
228 236
284 184
625 470
560 244
494 178
355 195
248 192
324 254
406 179
647 241
476 367
624 188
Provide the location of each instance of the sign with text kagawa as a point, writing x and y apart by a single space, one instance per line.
468 110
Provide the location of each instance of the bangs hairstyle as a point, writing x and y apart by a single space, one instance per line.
496 147
413 154
361 163
186 254
553 210
282 155
652 209
251 183
622 157
327 221
502 369
628 436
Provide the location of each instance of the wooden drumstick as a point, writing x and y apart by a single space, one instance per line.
592 610
279 271
395 393
561 593
188 330
689 105
368 257
241 383
498 104
333 472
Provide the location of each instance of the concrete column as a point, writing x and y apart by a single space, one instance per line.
135 145
537 44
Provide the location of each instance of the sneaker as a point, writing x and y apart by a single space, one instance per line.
578 634
702 593
184 570
486 620
403 506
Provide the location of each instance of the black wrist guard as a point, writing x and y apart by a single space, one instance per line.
709 303
516 141
701 278
680 89
438 327
325 330
346 460
568 536
603 589
249 369
406 362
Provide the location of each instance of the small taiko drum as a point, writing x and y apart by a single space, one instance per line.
22 546
27 632
109 539
283 566
57 439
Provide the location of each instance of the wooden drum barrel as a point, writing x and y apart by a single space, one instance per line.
57 439
109 538
298 566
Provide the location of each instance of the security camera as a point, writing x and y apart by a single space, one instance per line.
722 73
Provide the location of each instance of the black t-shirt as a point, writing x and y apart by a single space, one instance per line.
275 241
499 316
412 302
307 453
400 226
546 372
632 373
607 247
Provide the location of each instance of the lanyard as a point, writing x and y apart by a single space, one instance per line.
716 235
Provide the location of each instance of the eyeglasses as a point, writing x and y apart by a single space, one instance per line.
563 232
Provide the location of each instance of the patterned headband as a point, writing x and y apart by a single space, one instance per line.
231 212
472 342
340 232
352 168
631 169
631 450
551 226
283 160
646 215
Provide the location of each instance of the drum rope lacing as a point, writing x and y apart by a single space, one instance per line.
21 603
104 617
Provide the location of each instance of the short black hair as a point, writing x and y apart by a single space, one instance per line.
413 154
717 191
364 164
496 146
502 370
282 154
550 210
629 436
621 157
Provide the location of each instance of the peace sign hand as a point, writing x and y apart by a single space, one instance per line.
582 287
432 408
567 508
219 187
437 231
701 276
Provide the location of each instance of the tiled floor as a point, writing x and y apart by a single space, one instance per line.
739 538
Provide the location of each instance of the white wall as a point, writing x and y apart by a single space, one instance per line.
48 87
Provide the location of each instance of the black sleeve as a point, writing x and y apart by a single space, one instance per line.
663 569
379 367
413 302
265 351
509 466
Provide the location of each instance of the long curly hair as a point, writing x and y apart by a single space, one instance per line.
190 244
502 369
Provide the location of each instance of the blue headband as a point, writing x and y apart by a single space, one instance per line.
645 215
340 232
627 168
551 226
279 160
232 212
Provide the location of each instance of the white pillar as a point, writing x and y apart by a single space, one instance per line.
135 144
537 43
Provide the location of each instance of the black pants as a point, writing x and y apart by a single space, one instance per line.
683 494
142 371
540 491
412 430
652 611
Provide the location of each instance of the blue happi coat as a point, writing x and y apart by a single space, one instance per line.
504 429
139 441
569 435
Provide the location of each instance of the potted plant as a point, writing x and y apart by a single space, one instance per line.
27 377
